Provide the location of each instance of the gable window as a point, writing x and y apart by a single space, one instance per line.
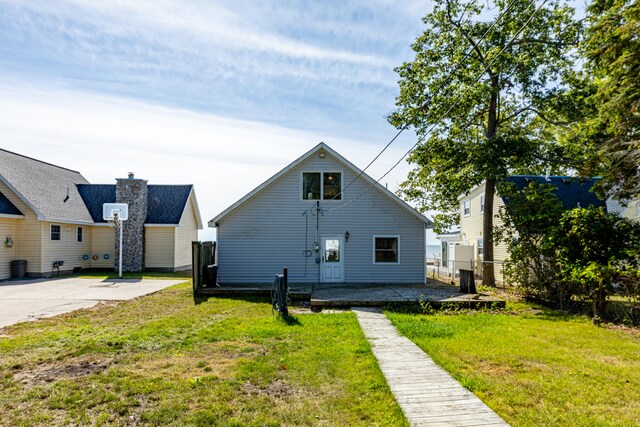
79 235
482 203
466 207
321 185
55 233
480 247
385 250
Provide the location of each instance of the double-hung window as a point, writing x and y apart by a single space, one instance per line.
480 247
79 235
466 207
321 186
386 250
56 233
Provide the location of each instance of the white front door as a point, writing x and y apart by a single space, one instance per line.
332 260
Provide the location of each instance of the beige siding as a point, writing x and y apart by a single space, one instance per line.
159 247
102 242
186 232
66 249
8 228
471 229
28 235
632 211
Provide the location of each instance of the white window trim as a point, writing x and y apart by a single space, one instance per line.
79 227
384 236
482 200
478 240
51 232
463 203
322 172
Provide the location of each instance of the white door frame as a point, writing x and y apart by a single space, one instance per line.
339 264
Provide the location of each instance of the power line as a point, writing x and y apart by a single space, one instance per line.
446 112
433 94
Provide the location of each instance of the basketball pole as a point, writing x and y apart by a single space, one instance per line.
119 224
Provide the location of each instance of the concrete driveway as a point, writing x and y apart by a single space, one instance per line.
26 300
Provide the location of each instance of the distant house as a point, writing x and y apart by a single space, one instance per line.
327 222
572 192
49 213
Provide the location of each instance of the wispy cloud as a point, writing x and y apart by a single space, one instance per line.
105 137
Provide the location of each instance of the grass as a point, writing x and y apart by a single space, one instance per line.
534 366
167 359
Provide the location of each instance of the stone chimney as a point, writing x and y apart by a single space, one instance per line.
134 193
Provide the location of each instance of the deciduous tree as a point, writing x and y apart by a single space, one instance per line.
479 94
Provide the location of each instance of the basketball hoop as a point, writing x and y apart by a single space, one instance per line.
114 214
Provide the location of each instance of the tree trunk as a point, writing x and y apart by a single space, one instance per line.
488 274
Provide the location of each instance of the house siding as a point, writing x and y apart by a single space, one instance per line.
8 227
269 232
185 233
471 230
103 243
159 247
66 249
28 234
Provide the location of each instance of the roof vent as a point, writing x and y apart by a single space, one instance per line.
130 175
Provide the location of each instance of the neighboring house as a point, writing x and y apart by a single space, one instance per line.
327 222
49 213
572 192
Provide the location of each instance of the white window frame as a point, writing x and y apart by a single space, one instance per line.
480 245
80 229
340 171
482 203
59 239
466 205
385 236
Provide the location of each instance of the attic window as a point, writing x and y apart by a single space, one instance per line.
321 185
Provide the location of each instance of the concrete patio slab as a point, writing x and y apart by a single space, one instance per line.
27 300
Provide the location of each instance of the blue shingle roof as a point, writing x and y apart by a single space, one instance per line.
571 191
165 203
6 207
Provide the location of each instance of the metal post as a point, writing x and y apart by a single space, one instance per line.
120 257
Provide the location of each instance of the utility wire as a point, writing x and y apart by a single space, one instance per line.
513 39
433 94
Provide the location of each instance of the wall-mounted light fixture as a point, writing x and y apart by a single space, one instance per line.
8 242
346 235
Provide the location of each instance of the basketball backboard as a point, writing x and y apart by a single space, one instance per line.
112 210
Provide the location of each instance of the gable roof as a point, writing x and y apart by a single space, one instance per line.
571 191
8 208
165 203
356 171
49 190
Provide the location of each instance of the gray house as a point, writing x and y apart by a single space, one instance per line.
327 222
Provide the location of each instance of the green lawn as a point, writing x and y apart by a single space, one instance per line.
535 367
166 359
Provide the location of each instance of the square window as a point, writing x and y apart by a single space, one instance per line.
55 232
466 207
79 236
311 186
331 185
386 250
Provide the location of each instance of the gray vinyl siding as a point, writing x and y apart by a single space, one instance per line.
267 233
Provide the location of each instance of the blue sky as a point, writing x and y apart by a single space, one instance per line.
201 91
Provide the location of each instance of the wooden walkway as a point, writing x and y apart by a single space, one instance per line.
427 394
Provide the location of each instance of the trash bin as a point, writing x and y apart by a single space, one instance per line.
211 275
18 269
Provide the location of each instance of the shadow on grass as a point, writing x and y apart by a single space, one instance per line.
289 320
199 298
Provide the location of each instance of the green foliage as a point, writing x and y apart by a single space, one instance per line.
610 132
500 123
564 257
